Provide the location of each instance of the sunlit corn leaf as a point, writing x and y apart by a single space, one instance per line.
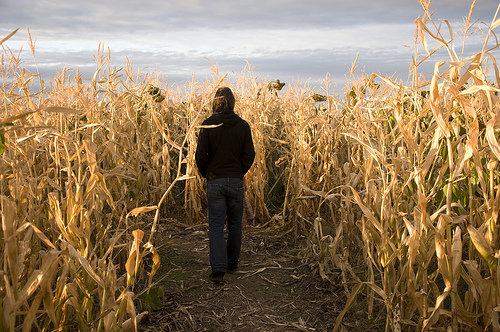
104 188
11 249
160 127
59 109
133 261
186 177
490 136
53 109
367 211
55 209
441 254
135 212
482 247
495 24
91 148
456 250
29 288
436 102
421 29
209 126
8 36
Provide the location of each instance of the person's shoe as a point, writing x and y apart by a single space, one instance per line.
231 269
217 277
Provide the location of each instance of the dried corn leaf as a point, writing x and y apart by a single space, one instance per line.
135 212
30 316
456 252
490 137
367 212
8 36
129 323
38 233
29 288
59 109
133 259
494 25
83 262
350 301
436 313
482 246
186 177
156 261
91 149
436 106
11 250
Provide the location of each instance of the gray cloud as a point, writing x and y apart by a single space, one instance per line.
130 16
282 39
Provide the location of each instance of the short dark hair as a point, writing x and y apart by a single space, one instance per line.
223 100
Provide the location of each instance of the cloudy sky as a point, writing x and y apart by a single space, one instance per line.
291 40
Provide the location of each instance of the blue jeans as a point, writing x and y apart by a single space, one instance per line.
225 199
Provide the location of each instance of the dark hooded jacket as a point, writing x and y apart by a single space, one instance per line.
226 150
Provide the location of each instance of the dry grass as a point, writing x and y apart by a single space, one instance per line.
392 180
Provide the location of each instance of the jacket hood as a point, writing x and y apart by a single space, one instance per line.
227 118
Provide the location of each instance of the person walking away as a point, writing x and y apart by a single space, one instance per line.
224 154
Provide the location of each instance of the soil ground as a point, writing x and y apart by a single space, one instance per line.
272 290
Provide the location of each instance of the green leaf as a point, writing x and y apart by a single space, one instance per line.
153 298
2 143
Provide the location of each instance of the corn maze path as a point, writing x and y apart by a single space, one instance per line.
272 290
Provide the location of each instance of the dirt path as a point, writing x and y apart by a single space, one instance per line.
272 290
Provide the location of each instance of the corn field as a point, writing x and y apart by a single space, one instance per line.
395 186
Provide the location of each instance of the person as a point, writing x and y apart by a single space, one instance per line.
224 154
